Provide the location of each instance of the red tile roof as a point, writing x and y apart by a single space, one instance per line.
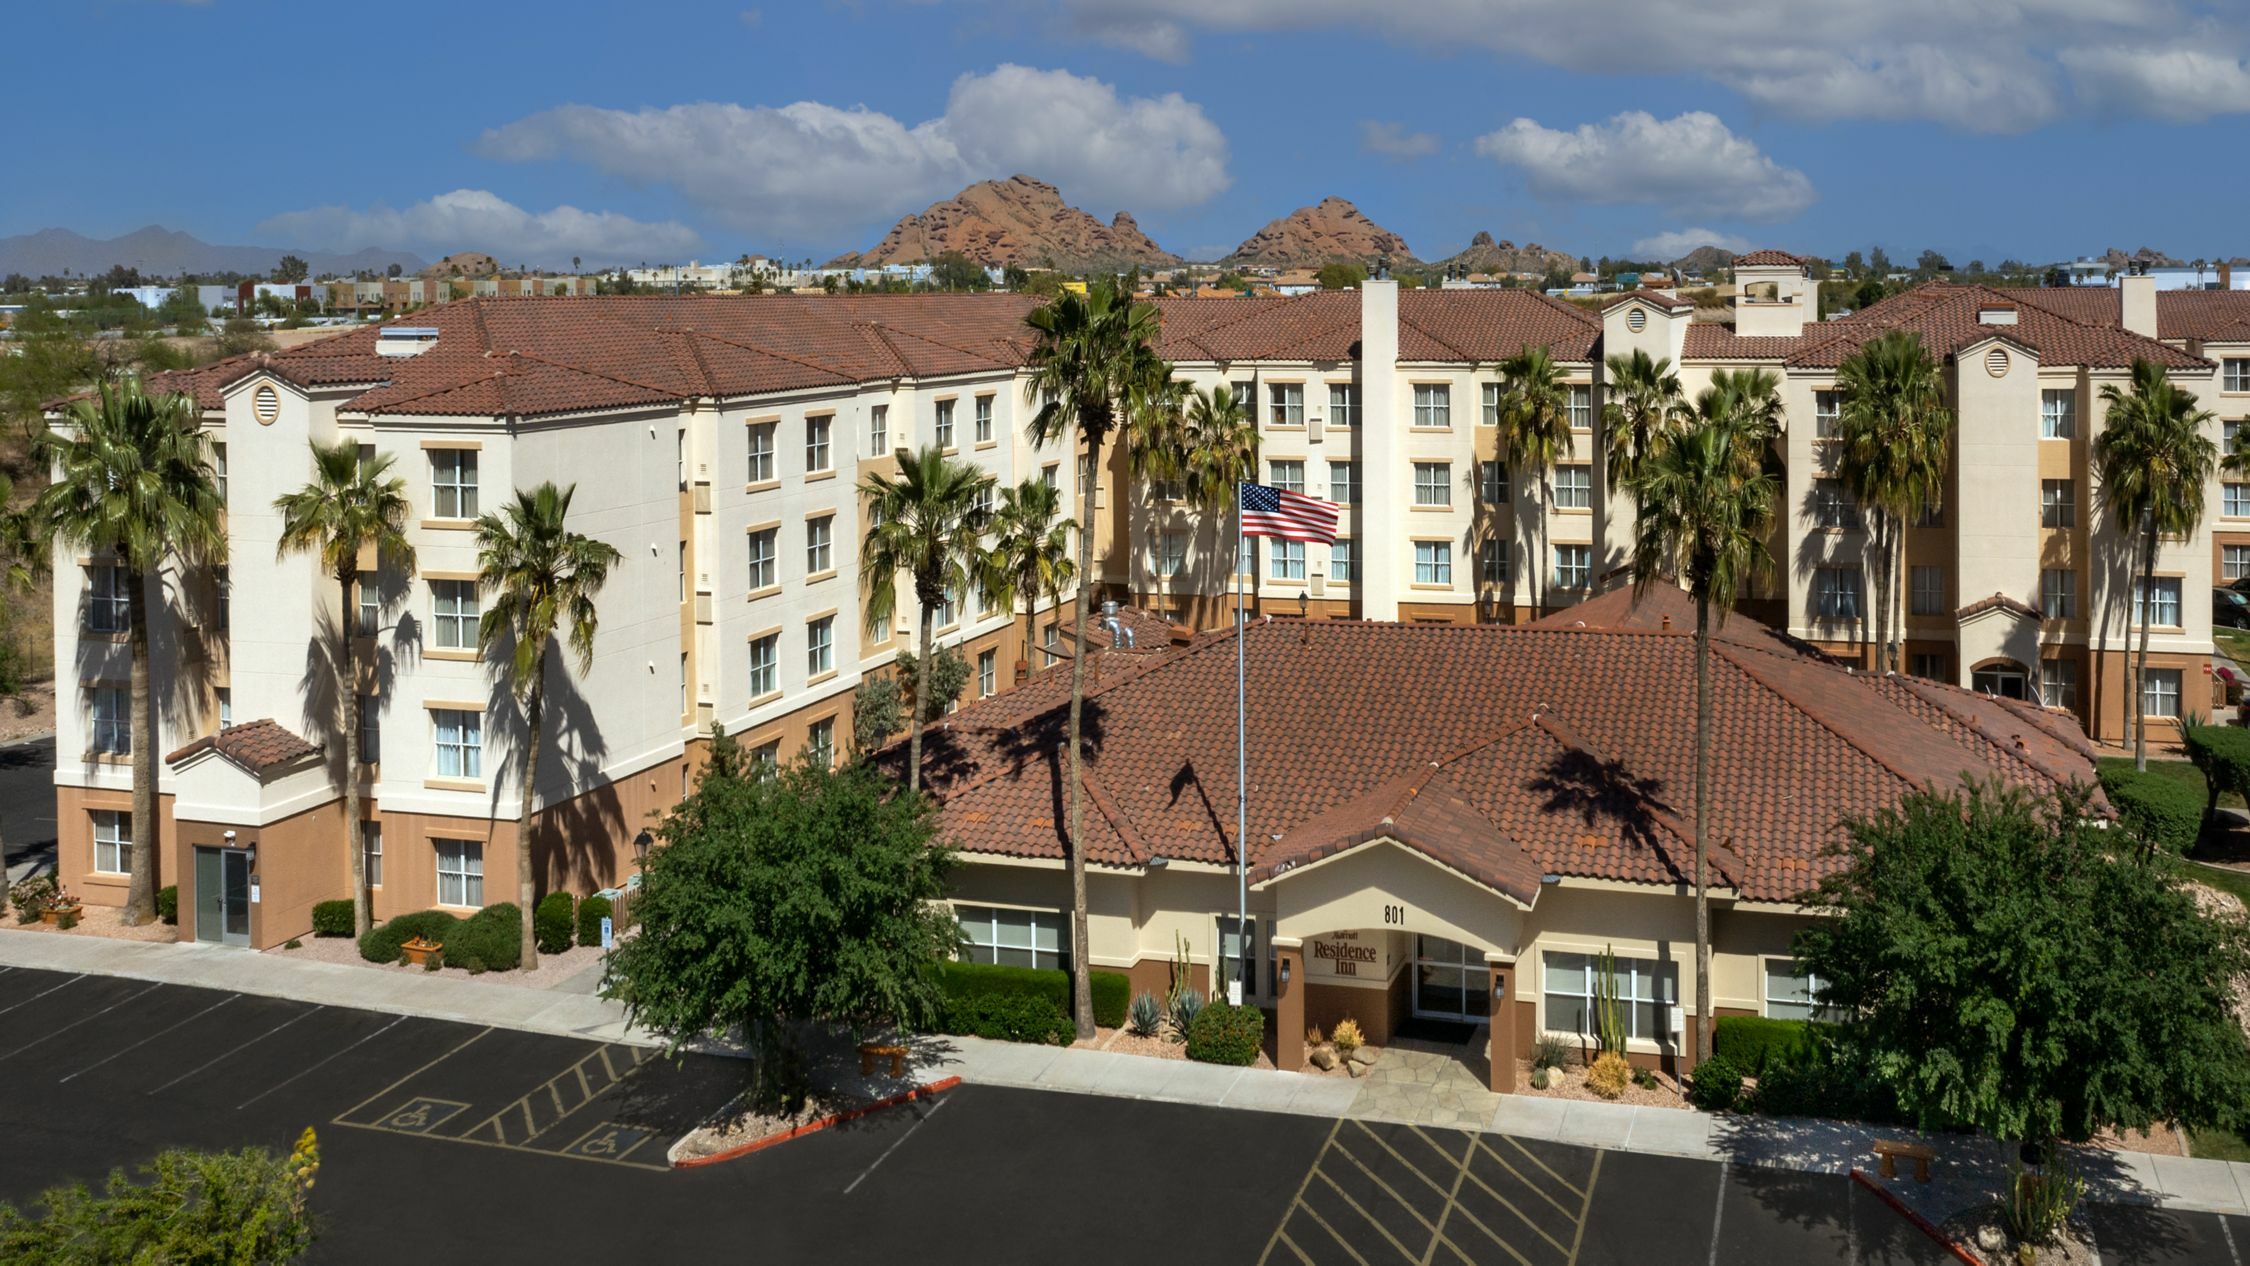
256 746
1768 258
2209 316
1670 303
1946 316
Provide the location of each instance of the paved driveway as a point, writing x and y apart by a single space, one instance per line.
27 804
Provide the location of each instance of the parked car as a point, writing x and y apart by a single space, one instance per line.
2230 609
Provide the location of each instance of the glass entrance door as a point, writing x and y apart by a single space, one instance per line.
1451 981
222 896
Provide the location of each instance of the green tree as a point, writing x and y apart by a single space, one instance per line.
243 1208
811 896
1534 435
1093 356
291 270
1031 551
1706 497
1895 439
1998 966
956 271
2154 459
542 579
1203 439
1341 274
1641 402
350 507
134 483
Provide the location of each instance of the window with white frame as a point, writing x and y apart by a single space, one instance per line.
108 598
2058 503
2234 500
2160 693
219 471
371 852
1245 394
2230 435
988 674
817 431
2234 562
1580 408
1833 505
370 606
820 743
458 740
1246 563
1928 590
2058 683
1011 938
765 665
113 841
225 696
109 726
820 554
878 430
765 759
820 645
1050 645
2159 604
761 452
764 570
1574 566
1793 991
1433 405
1343 483
2235 374
1288 476
1433 483
1489 411
944 428
1287 560
1646 989
460 871
370 729
2058 414
222 594
1285 404
1340 560
1492 482
947 610
453 483
981 416
1343 404
1828 415
1574 487
1836 593
1433 562
1171 552
1492 562
2058 593
1230 960
453 614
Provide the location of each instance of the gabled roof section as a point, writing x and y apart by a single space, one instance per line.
260 747
1946 316
1654 299
1767 257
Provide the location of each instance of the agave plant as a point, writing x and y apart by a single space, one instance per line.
1186 1005
1146 1016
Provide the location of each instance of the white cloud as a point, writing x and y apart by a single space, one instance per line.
1673 244
802 169
1690 165
2187 85
1392 140
479 220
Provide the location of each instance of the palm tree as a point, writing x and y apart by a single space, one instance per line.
929 522
350 507
1092 357
1534 435
1895 438
1707 496
134 482
1031 550
2154 460
1204 440
542 577
1641 401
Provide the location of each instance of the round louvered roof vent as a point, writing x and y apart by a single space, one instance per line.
1996 362
266 403
1636 320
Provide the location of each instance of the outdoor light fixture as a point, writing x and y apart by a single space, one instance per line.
1285 971
1499 987
640 846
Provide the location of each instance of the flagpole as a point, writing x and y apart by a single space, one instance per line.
1237 986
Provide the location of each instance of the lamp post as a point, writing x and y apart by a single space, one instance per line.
640 849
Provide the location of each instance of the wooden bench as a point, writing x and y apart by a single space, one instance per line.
869 1052
1891 1149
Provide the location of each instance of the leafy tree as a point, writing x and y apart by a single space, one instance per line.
1644 400
1031 550
183 311
1854 265
1015 277
949 675
207 1207
810 896
1230 281
1870 292
291 270
543 578
1341 274
2000 967
134 483
238 336
2154 460
878 712
351 507
1534 435
1930 264
1896 438
956 271
1878 262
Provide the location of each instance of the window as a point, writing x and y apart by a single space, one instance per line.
988 674
109 721
763 545
683 571
2160 693
1433 484
765 665
819 539
460 872
765 759
1580 409
1343 404
816 443
1049 477
453 478
1492 483
820 742
1931 514
1647 989
1827 415
1287 476
2235 500
2230 434
2235 374
1574 566
2058 593
1011 938
1050 645
683 682
2163 603
370 729
1288 560
1171 553
1340 561
1286 403
108 598
1167 490
2058 683
982 418
2058 503
1246 566
225 696
454 612
1492 562
1931 666
1433 405
945 612
2058 414
1230 959
1490 413
1433 562
761 452
1574 487
1792 992
820 645
113 841
371 852
1245 393
878 430
1836 593
680 460
460 743
2234 562
1833 506
945 424
1343 482
1929 591
219 470
370 607
222 586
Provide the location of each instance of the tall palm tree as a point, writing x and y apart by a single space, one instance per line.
1092 357
134 482
350 507
1031 550
1708 495
1534 435
2154 460
543 578
928 521
1895 438
1641 402
1203 439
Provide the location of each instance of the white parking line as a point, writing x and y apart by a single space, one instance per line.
150 1038
895 1144
223 1054
57 1032
322 1060
1718 1211
41 994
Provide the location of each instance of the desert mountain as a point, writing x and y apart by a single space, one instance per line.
1704 260
161 252
1487 256
1014 221
1333 230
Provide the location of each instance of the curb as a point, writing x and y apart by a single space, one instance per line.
1927 1228
939 1086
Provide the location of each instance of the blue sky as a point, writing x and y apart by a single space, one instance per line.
2040 129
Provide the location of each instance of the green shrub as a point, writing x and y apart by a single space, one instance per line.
2222 753
381 943
1753 1043
1549 1051
1112 990
1223 1033
1009 1017
332 918
2157 813
168 904
30 897
492 936
591 912
1113 993
552 924
1716 1085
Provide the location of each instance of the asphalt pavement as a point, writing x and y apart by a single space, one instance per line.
27 804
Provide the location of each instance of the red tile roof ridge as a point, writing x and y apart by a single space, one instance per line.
1109 809
436 389
1642 294
1819 718
1944 695
879 334
889 333
1434 337
536 358
774 352
1572 310
689 347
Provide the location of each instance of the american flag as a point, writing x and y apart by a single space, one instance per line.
1289 515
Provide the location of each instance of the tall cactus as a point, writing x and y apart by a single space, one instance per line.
1609 1012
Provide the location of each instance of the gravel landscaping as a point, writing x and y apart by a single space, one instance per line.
1572 1085
106 921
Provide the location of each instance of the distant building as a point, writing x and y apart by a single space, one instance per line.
2101 272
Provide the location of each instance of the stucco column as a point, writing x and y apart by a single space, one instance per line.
1289 1003
1503 1052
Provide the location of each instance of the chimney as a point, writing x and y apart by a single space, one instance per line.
1381 440
2136 303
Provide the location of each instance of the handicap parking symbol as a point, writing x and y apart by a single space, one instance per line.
421 1115
608 1141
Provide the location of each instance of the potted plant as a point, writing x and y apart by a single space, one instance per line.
62 910
420 952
